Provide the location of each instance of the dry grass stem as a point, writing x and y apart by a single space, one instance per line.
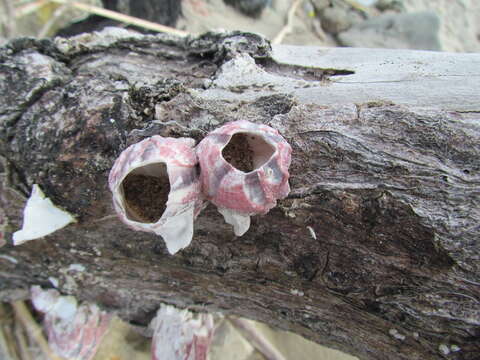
288 26
47 27
33 329
131 20
256 339
8 19
358 6
29 8
22 343
9 347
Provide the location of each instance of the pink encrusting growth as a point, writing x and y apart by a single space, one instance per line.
244 170
180 334
156 188
74 331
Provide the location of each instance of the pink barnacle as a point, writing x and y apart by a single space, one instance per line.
244 170
156 188
180 334
74 331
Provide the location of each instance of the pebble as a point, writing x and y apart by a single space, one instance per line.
396 31
444 349
396 335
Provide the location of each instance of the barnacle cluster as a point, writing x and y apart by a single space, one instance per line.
243 171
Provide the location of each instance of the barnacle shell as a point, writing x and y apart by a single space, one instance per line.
139 181
40 218
180 334
244 170
74 331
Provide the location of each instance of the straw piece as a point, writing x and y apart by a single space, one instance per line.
256 339
33 329
9 19
22 342
122 17
30 8
288 26
48 26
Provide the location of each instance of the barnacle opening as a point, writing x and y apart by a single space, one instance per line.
146 192
247 151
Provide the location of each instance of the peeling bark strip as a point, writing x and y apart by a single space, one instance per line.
380 232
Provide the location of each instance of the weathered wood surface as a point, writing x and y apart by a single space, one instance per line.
380 232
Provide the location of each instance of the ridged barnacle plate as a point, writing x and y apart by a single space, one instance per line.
156 188
244 170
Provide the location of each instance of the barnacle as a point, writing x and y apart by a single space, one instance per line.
244 170
181 334
156 188
74 330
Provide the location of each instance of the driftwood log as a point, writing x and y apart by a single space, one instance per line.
375 251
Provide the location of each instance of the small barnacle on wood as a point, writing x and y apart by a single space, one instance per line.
244 170
181 334
156 188
74 330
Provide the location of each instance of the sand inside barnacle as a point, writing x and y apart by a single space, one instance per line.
146 192
247 151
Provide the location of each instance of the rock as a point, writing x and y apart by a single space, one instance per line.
338 18
335 20
251 8
459 22
390 5
319 5
165 12
403 31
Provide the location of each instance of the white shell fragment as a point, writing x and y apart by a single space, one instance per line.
40 218
239 221
181 335
167 162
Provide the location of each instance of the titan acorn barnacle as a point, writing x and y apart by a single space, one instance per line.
181 334
75 331
244 170
156 188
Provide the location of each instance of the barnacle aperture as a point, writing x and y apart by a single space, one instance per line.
156 188
244 170
146 192
247 152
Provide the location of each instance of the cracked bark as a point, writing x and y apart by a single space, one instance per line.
380 231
